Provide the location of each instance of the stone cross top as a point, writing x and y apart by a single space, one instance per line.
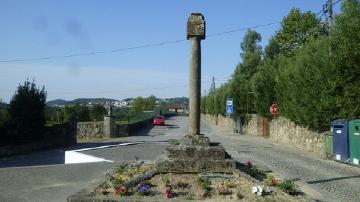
195 33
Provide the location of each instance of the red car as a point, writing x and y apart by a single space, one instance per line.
159 120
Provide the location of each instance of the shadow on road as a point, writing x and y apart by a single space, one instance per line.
171 126
55 157
332 179
52 157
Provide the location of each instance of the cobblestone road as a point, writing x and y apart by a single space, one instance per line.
324 180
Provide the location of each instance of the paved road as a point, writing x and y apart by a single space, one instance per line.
42 176
324 180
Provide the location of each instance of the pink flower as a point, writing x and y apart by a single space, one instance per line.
248 164
168 194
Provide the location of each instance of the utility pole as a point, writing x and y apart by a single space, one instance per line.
330 11
212 87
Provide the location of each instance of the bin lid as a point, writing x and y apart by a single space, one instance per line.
355 121
340 122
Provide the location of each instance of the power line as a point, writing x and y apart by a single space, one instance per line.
336 2
133 47
120 90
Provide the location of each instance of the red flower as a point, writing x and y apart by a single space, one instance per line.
168 192
274 181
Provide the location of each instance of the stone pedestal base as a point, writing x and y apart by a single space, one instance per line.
195 154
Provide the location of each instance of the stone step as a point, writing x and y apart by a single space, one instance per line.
195 166
195 152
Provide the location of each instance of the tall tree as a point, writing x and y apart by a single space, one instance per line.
97 112
27 111
345 52
241 81
298 29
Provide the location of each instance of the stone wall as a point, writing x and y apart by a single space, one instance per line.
284 131
220 120
280 130
58 135
90 130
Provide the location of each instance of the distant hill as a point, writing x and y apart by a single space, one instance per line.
56 102
79 100
177 100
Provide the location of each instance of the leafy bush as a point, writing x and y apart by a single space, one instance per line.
174 142
27 111
288 186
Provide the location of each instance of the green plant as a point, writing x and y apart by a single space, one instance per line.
174 142
288 186
118 180
167 179
222 189
239 195
204 183
106 185
270 180
190 196
230 183
121 168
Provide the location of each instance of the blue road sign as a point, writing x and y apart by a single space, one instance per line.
229 109
229 105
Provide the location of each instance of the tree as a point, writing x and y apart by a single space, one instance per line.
27 111
305 87
138 105
263 85
272 49
97 112
150 103
241 80
77 112
345 50
298 29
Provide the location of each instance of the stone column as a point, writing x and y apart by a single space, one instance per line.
195 32
109 122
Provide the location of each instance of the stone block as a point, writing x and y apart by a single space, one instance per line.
195 140
197 152
196 26
195 165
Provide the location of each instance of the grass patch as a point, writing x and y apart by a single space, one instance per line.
288 186
174 142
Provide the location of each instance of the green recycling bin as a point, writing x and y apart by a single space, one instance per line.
328 142
354 141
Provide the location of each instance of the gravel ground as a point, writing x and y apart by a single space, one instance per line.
323 180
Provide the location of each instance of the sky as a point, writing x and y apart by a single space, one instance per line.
41 29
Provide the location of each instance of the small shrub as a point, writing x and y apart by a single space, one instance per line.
230 183
190 196
174 142
204 183
239 195
121 191
288 186
270 180
222 189
121 168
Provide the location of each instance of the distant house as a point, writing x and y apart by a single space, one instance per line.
178 108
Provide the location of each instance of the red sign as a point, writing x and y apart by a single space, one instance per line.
274 109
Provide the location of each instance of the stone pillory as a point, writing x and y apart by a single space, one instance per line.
195 153
195 33
196 26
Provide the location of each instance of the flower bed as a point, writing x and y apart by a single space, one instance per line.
141 182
